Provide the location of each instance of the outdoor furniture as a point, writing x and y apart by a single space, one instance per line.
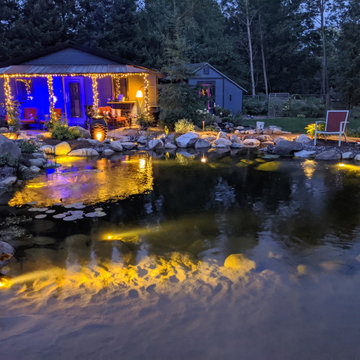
30 116
335 124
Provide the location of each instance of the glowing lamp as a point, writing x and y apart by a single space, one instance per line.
204 159
139 94
98 128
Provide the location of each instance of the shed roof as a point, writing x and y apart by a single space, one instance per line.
194 68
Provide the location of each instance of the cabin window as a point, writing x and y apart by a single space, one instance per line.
24 89
230 97
120 88
206 70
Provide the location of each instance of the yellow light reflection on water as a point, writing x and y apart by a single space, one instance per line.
162 272
88 181
348 167
309 167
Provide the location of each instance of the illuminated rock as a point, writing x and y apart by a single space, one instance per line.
252 142
48 149
9 147
108 152
155 144
86 152
39 162
222 143
187 140
304 154
6 252
34 169
8 181
170 146
239 263
303 139
128 145
62 149
347 155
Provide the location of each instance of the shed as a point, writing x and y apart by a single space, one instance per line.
220 89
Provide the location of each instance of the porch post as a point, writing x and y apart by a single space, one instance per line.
64 94
95 92
51 95
146 90
7 90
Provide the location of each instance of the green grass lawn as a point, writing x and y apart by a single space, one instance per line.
297 125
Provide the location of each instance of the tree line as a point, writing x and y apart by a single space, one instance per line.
296 46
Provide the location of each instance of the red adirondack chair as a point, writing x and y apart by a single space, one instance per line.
335 124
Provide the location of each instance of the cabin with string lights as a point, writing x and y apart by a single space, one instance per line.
72 82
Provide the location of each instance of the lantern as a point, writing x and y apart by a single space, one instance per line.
98 128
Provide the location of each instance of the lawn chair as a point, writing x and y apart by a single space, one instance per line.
335 124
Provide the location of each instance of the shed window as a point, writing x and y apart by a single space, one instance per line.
206 70
230 97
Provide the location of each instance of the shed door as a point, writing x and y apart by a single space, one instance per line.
207 90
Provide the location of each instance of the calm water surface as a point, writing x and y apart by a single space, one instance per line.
232 258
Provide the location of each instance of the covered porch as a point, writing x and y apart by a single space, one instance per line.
119 92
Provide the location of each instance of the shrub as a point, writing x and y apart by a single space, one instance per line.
27 147
13 114
221 112
211 128
310 107
310 129
183 126
62 132
145 120
255 105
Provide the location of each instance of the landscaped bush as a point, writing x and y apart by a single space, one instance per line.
13 114
145 120
221 112
255 105
26 147
183 126
310 129
62 132
309 107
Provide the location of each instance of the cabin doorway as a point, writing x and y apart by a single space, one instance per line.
75 100
207 90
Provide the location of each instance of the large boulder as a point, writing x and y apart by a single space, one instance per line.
128 145
39 162
331 154
9 148
62 148
6 171
108 152
155 144
187 140
11 180
285 147
251 142
6 252
222 143
303 139
170 146
348 155
304 154
221 135
116 146
85 152
202 144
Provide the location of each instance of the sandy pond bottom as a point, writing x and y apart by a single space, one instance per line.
231 259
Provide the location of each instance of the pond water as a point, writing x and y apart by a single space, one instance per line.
198 257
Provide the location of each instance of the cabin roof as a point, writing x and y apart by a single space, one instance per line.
70 58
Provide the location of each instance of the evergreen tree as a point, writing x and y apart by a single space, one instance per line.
178 99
